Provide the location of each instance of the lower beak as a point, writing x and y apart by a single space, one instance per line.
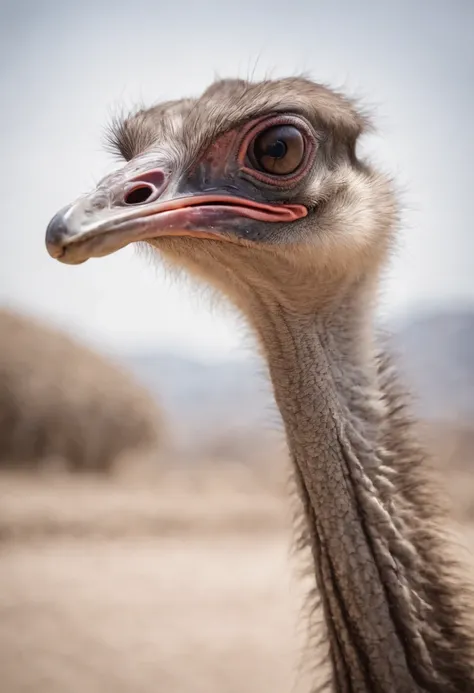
88 228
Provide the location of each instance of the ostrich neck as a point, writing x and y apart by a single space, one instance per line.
326 384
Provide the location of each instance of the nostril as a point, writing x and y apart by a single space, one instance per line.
139 195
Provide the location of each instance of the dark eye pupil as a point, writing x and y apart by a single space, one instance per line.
277 150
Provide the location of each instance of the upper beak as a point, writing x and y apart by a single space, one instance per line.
114 216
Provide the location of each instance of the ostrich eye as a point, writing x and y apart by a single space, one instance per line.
279 150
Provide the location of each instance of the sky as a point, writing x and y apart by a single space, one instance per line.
65 67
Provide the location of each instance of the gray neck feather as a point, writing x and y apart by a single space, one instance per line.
378 557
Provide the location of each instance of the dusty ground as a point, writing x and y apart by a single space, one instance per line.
204 614
104 588
131 588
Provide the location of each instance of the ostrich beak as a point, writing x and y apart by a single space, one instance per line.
117 214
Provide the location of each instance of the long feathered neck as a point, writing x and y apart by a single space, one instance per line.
392 601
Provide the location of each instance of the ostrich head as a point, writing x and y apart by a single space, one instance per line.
256 187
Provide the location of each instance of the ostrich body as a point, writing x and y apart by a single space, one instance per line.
257 189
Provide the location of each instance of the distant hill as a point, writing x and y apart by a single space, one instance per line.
208 403
210 406
437 356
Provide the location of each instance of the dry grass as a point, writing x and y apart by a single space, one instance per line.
217 501
59 399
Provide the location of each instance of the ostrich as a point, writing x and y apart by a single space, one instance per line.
257 189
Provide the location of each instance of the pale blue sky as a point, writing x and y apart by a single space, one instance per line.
64 66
